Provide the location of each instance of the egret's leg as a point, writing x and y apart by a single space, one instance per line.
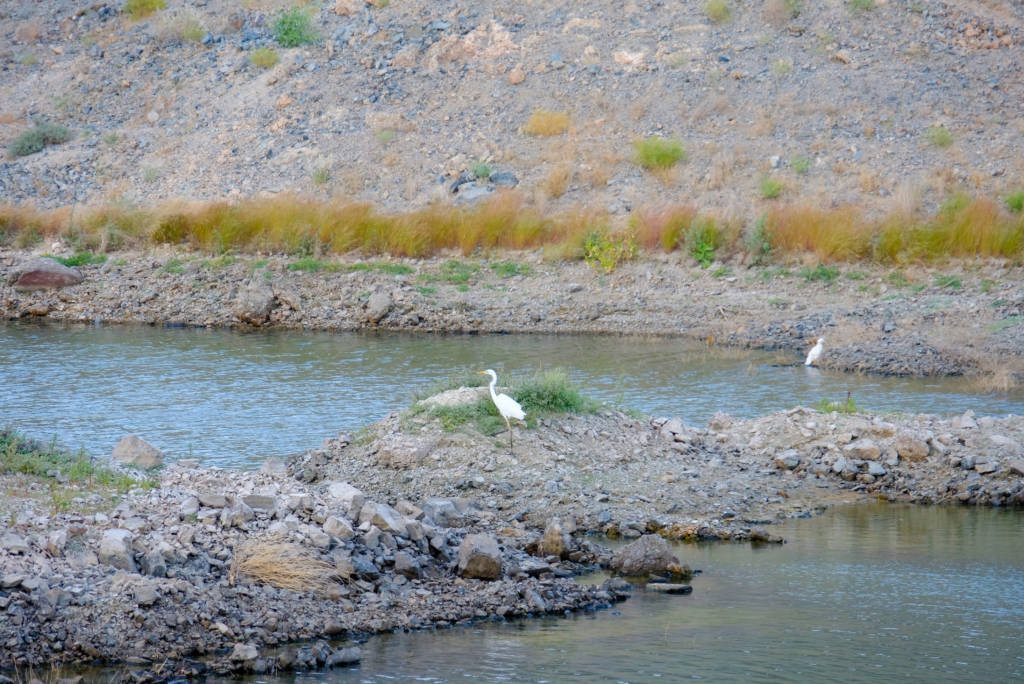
509 425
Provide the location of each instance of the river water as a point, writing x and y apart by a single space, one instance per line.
873 593
233 398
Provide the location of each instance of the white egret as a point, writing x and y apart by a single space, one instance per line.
812 356
507 406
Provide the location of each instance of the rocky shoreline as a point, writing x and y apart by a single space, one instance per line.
412 525
906 321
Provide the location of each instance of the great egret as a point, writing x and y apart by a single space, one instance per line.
507 406
812 356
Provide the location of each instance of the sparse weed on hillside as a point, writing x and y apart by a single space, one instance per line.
139 9
294 27
39 136
264 57
606 250
717 11
860 5
656 152
770 188
1015 201
545 123
939 136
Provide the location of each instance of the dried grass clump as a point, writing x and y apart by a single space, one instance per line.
545 123
281 564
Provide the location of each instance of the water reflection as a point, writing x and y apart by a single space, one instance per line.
233 398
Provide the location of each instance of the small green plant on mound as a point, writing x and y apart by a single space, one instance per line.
820 272
949 281
758 243
39 136
939 136
656 152
861 5
828 406
294 27
605 250
1015 201
717 11
481 170
321 175
82 259
701 240
139 9
770 188
458 272
264 57
800 164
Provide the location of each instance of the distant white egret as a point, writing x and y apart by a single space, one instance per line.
507 406
812 356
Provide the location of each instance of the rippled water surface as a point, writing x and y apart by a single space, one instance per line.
860 594
233 398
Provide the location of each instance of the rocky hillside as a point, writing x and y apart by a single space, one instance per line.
876 102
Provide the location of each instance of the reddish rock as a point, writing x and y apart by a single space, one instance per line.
45 274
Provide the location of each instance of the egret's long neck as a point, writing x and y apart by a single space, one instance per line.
494 381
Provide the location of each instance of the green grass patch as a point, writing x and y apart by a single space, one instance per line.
717 11
81 259
770 188
294 27
828 406
139 9
311 265
658 153
800 164
949 281
1008 322
459 272
939 136
174 265
1015 201
481 170
381 267
606 250
43 133
820 272
860 5
507 269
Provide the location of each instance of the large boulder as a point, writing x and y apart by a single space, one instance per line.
480 557
136 451
650 554
116 549
377 307
347 497
909 448
44 274
254 304
383 516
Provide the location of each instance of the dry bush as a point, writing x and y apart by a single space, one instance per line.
28 32
557 180
281 564
545 123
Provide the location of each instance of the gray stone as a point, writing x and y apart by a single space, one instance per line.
14 545
964 422
535 601
1016 466
213 500
409 510
260 502
348 497
136 451
648 554
190 506
153 564
986 467
876 469
414 530
116 549
377 307
383 516
480 557
44 274
673 427
274 466
56 540
146 593
244 652
555 541
862 449
788 460
343 656
406 565
910 448
254 304
667 588
442 512
338 527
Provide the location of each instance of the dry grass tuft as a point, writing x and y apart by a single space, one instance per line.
557 180
545 123
281 564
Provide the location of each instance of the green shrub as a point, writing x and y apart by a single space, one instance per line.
601 248
758 243
294 27
701 240
1015 201
658 153
264 57
939 136
34 140
382 267
507 269
82 259
321 175
770 188
861 5
800 164
717 11
458 272
481 170
828 406
138 9
948 281
311 265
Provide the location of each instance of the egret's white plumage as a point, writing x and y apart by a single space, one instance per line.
507 406
812 356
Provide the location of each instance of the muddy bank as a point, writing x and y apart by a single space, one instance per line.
412 524
963 319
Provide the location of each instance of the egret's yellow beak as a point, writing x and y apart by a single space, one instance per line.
481 372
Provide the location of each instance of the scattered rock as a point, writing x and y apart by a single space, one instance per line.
480 557
136 451
44 274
